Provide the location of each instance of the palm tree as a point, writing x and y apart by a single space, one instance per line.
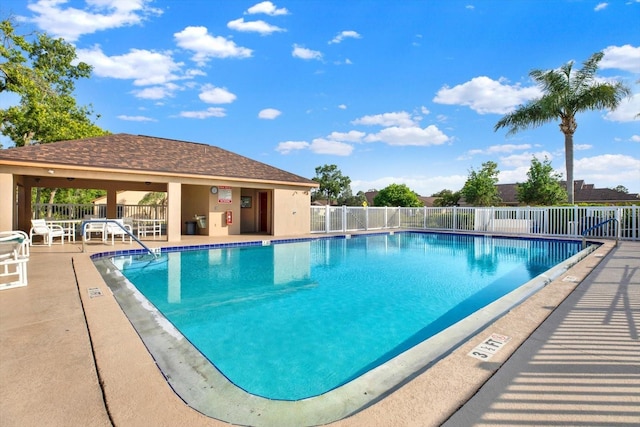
565 93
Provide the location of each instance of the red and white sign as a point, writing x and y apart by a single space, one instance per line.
224 195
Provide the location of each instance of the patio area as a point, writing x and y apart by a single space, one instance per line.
69 356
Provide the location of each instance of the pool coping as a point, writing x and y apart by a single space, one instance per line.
246 409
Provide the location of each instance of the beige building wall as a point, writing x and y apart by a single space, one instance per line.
293 213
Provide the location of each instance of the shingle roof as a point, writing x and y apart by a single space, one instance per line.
583 193
150 154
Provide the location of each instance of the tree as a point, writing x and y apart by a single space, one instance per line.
480 188
543 186
397 195
42 74
446 198
621 189
566 93
331 181
348 199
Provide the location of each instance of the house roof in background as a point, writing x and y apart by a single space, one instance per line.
583 193
127 152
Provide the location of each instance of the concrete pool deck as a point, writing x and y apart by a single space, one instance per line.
71 357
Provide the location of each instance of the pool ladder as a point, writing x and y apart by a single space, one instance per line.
155 253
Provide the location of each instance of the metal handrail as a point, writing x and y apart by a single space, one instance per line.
585 232
113 221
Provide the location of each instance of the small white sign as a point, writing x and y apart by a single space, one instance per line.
490 346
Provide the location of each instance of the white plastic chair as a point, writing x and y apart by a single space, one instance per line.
119 228
91 228
39 227
14 256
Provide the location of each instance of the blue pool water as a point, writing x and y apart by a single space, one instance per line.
294 320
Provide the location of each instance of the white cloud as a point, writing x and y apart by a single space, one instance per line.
600 6
317 146
156 92
144 67
209 112
269 113
635 138
344 35
625 57
608 170
502 148
289 146
70 23
253 27
325 146
415 136
485 95
582 147
304 53
524 159
627 111
342 106
137 118
206 46
216 95
267 8
401 118
351 136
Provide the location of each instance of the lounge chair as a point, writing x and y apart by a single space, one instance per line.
117 227
14 256
39 227
92 228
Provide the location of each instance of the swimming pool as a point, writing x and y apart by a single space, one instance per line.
297 320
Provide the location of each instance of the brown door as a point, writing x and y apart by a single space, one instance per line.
263 213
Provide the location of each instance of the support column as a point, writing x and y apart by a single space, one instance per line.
7 194
112 203
174 212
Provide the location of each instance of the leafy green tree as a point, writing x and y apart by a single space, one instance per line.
480 188
154 198
446 198
332 182
397 195
543 186
41 72
566 93
347 198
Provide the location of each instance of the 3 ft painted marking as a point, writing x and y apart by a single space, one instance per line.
94 292
490 346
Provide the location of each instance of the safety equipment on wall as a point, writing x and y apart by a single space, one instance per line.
229 217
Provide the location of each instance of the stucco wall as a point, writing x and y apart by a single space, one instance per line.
217 213
6 202
195 201
292 214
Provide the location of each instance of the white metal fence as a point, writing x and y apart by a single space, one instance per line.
594 221
68 211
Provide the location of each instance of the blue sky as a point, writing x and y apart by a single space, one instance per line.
389 91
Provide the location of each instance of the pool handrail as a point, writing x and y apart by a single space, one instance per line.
119 224
586 231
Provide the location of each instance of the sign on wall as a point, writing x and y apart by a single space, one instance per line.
224 195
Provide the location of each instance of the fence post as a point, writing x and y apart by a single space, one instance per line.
327 220
455 218
344 218
366 218
424 217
